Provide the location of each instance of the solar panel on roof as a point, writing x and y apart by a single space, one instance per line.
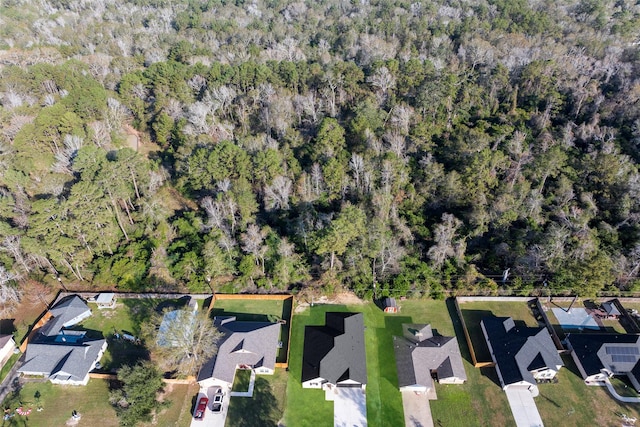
624 358
622 350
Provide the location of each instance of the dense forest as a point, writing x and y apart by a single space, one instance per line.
387 147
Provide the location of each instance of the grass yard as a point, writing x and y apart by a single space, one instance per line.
473 313
180 411
7 366
241 380
266 407
479 402
571 402
92 402
58 402
258 310
623 386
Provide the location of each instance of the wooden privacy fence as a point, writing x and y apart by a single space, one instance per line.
467 337
43 319
99 376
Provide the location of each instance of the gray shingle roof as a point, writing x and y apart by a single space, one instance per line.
64 312
518 350
336 351
418 352
243 343
62 359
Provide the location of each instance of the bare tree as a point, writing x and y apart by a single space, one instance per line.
277 194
444 235
182 340
252 241
9 295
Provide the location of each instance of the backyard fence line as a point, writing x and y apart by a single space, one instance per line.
552 332
44 318
472 352
101 376
276 297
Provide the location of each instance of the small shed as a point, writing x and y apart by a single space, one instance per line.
106 300
611 309
390 305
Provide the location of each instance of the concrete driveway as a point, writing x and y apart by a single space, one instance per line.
349 407
417 412
212 419
523 407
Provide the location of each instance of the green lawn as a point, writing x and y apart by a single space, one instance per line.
58 402
180 412
266 406
7 366
92 402
473 313
571 402
466 405
241 380
258 310
623 386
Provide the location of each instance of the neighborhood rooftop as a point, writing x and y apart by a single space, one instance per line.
335 352
617 353
253 344
419 353
518 349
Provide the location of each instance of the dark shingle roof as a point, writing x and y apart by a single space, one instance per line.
419 352
591 351
517 350
336 351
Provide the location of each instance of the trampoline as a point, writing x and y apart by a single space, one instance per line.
575 318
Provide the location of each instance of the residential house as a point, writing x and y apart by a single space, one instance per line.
66 358
69 311
421 355
244 345
334 354
63 356
7 347
601 356
522 355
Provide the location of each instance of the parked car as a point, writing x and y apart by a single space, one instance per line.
217 408
201 408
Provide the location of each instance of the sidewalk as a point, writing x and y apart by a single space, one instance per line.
7 385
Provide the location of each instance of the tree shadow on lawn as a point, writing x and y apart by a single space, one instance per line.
124 352
259 410
386 354
472 319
